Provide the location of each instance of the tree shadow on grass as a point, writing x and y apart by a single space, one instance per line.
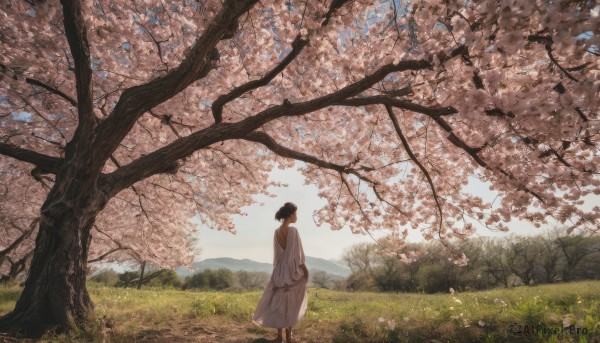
263 340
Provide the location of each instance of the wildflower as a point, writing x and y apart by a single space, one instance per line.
481 323
451 290
499 302
391 324
381 320
456 300
466 322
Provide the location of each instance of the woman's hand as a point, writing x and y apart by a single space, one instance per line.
303 266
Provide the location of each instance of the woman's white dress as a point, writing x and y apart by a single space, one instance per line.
284 300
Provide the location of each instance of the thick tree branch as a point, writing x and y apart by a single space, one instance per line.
135 101
76 30
297 45
44 162
269 142
333 6
165 159
579 67
103 256
21 238
433 112
400 92
217 107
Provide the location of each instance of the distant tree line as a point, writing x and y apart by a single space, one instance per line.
554 256
208 279
220 279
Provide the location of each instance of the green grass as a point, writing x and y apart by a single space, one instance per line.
144 315
9 293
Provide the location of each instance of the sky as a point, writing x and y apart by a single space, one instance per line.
254 237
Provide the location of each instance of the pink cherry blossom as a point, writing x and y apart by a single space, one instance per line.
179 110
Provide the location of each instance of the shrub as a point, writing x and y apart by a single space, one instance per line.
106 277
209 279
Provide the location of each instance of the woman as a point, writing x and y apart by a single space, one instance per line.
284 300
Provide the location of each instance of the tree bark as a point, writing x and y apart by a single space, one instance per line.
55 294
139 285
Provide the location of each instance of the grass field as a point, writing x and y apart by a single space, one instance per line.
156 315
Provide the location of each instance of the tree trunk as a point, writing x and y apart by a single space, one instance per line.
143 266
55 294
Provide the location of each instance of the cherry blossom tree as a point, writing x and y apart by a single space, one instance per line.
18 218
123 119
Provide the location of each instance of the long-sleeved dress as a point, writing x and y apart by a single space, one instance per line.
284 300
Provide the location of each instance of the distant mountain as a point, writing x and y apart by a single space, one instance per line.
313 263
227 263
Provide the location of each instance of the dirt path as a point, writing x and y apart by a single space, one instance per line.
187 331
194 331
